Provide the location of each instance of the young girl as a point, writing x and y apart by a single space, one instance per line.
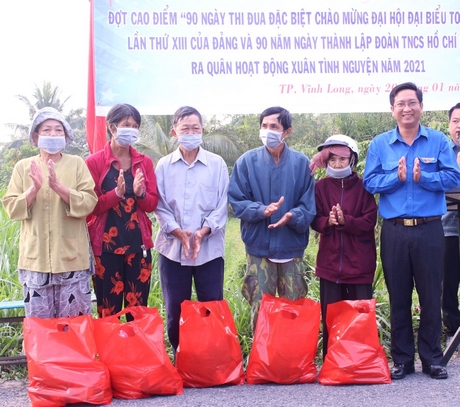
345 217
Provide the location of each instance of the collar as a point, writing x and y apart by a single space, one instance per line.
283 155
135 155
396 136
351 179
201 156
454 146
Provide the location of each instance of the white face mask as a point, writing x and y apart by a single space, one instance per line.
270 138
126 136
51 144
340 173
190 141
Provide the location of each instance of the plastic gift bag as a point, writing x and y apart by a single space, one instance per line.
209 352
62 362
285 342
354 354
135 354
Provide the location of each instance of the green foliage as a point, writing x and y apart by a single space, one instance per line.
155 141
16 151
229 137
47 95
438 120
10 289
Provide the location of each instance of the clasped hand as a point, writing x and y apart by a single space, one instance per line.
402 170
37 180
138 183
272 208
336 216
196 240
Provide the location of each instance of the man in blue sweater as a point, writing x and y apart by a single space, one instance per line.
272 192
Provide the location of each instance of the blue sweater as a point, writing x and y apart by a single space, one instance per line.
256 182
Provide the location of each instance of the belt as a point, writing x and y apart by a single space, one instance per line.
414 221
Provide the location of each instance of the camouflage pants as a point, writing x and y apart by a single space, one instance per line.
266 277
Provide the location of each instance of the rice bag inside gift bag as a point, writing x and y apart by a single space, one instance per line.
62 362
135 354
354 354
285 342
209 352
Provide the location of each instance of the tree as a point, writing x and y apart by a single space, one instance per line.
156 143
51 96
153 141
44 97
20 148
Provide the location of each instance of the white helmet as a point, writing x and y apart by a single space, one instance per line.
342 140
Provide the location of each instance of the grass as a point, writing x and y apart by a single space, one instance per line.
10 289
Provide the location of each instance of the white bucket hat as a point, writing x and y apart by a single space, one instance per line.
49 113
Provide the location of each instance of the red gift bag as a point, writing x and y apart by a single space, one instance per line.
62 362
209 352
354 354
135 354
285 342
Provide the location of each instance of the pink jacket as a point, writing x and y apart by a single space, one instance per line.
99 165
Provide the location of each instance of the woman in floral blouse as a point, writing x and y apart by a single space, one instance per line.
120 230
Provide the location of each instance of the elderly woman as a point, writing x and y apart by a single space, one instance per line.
51 194
120 230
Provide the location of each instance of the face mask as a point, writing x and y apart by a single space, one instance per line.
190 141
270 138
126 136
340 173
51 144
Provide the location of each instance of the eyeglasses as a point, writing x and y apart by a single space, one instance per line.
402 105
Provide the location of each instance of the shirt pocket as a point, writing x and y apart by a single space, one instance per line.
68 249
30 246
428 164
390 166
207 197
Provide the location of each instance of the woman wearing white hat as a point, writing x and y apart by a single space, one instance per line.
345 217
51 194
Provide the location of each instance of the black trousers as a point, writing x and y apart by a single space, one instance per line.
121 280
414 256
330 292
176 285
450 283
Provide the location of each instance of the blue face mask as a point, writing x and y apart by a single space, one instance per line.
270 138
341 173
126 136
190 141
51 144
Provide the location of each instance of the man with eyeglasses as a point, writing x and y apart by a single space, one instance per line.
412 167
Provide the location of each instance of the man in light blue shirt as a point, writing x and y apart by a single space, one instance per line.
192 213
412 167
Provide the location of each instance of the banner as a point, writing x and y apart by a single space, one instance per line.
239 57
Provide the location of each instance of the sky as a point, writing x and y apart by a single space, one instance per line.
42 41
